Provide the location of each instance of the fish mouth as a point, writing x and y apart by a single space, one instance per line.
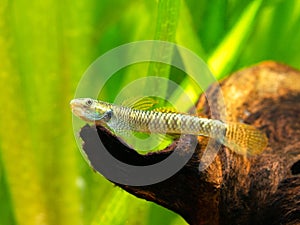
76 107
81 111
75 103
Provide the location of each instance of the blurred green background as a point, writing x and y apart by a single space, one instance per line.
45 47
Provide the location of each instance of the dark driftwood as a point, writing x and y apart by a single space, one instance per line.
264 189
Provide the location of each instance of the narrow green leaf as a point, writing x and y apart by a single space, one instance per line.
6 207
227 53
186 34
166 26
120 207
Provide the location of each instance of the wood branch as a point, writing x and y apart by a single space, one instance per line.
264 189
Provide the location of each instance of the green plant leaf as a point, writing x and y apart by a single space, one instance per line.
227 53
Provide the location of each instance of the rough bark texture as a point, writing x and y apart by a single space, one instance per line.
264 189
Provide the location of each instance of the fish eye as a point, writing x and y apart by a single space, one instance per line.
89 102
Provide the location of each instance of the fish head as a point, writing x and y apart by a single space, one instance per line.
90 109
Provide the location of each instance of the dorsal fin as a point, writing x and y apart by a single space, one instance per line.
145 103
150 103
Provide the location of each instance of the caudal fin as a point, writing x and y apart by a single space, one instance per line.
245 139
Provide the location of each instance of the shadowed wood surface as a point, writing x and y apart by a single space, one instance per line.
263 189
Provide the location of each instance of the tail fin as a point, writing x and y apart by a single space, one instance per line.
245 139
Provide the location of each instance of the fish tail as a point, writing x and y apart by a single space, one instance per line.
244 139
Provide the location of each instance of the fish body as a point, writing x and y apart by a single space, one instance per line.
241 138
